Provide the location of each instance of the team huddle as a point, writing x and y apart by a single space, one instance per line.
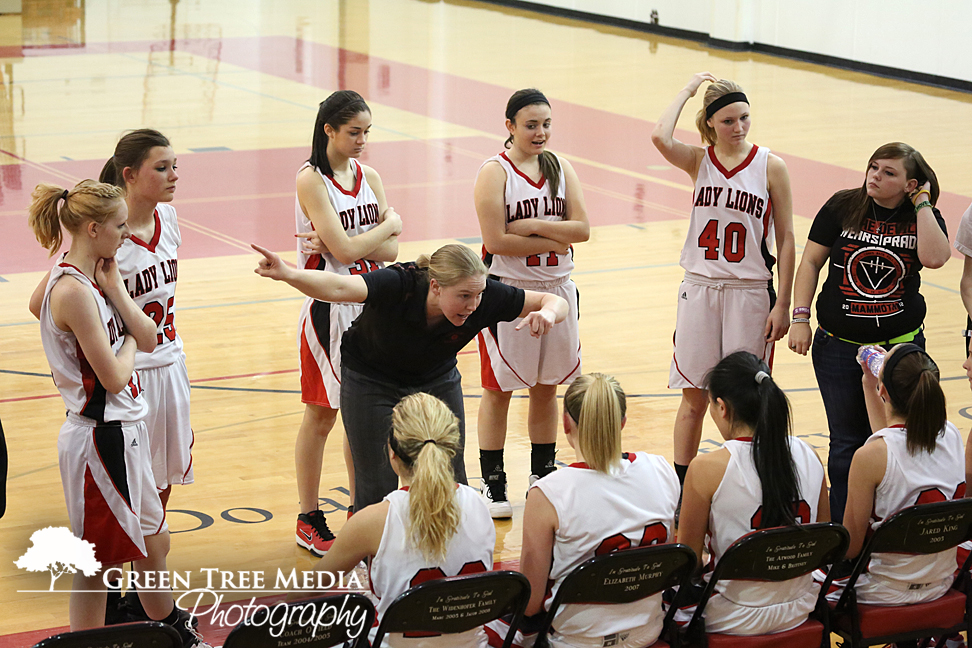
377 340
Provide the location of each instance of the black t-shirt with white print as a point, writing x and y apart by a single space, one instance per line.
871 292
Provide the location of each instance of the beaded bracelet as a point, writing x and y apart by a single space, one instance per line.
922 205
800 320
801 310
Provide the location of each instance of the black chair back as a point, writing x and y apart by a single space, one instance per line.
623 577
776 555
149 634
315 623
920 529
458 604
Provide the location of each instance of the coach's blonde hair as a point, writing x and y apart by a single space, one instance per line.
714 91
425 437
452 263
596 403
88 201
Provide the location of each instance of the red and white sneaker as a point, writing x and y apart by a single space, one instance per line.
313 534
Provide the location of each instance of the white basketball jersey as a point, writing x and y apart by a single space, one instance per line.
527 199
921 478
358 211
730 233
635 506
150 270
80 388
736 511
398 565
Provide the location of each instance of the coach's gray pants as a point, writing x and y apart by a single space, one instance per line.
366 409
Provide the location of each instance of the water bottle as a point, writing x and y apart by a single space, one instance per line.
871 357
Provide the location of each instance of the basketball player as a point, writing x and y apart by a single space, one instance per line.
531 209
742 194
914 456
429 529
633 497
761 477
341 204
90 328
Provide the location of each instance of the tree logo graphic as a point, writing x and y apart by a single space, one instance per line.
57 550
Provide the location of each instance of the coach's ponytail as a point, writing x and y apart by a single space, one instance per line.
51 206
132 149
335 111
549 164
754 400
425 438
451 264
596 404
916 395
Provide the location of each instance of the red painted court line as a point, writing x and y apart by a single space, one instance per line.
27 398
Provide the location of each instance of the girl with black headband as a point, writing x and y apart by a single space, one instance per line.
914 456
431 528
531 209
741 203
345 226
874 240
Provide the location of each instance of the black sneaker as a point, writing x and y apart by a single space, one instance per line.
494 493
185 624
313 534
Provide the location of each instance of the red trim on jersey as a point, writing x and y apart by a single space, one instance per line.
675 360
576 366
486 375
192 442
742 165
630 456
897 425
150 246
62 264
105 468
748 439
112 544
535 185
314 262
357 181
312 389
88 378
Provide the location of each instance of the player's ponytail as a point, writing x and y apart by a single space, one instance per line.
425 438
915 394
51 206
715 90
754 400
451 264
132 149
596 403
549 164
335 111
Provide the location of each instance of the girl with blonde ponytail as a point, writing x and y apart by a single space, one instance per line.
91 329
431 528
634 497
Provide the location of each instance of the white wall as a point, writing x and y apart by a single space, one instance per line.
914 35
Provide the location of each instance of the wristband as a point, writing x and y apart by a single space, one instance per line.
914 199
922 205
801 310
800 320
966 333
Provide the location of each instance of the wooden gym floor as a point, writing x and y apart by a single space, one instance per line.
235 85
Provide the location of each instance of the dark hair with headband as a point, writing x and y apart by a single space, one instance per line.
714 95
335 111
754 399
912 380
549 165
425 438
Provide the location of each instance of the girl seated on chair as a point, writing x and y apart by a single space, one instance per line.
607 501
914 456
429 529
761 477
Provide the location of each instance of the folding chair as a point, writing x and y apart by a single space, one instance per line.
655 569
922 529
315 623
458 604
775 555
147 634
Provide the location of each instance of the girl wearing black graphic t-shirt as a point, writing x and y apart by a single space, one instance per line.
875 239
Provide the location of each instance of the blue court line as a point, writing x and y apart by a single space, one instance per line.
25 373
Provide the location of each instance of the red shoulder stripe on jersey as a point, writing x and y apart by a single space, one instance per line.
535 185
62 264
359 174
630 456
742 165
150 246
